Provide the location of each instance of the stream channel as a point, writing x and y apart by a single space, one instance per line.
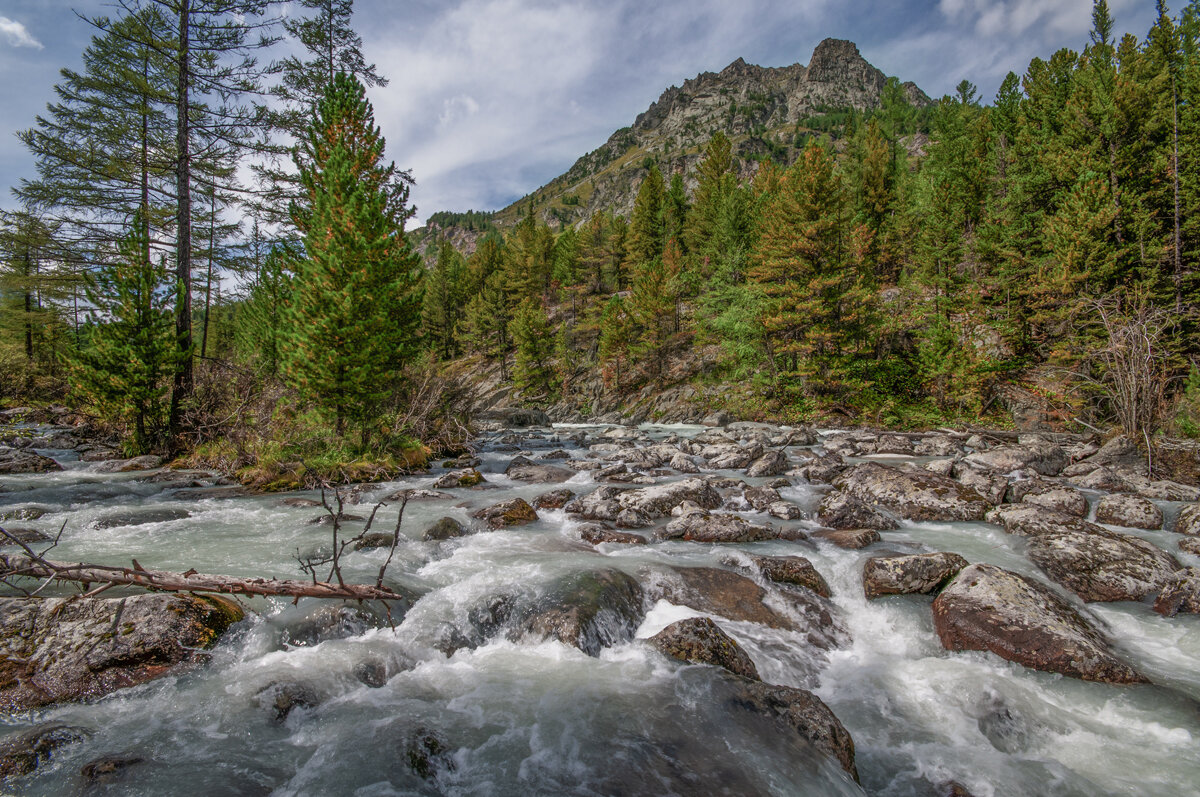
517 716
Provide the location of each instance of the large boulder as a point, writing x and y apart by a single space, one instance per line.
706 527
922 574
1061 499
803 712
596 534
16 460
555 499
794 570
599 504
467 477
698 640
1188 521
850 539
658 500
991 486
839 510
444 529
1130 511
1030 520
772 463
55 649
514 512
538 473
590 610
989 608
913 494
139 517
1036 454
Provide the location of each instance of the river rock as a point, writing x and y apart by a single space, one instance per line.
24 513
632 519
1030 520
25 535
922 574
281 699
138 517
785 510
839 510
760 498
803 712
444 529
913 494
1037 454
683 463
989 608
1190 545
1060 499
539 474
304 503
375 539
54 649
555 499
426 754
1165 490
698 640
938 445
1102 478
942 467
513 512
590 610
15 460
795 570
109 769
659 500
597 534
822 469
600 504
22 753
989 485
1180 593
732 457
772 463
850 539
1188 521
1131 511
706 527
467 477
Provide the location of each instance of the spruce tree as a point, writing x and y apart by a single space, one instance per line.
534 341
444 299
126 363
356 297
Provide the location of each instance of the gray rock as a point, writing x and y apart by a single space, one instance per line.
942 467
1102 478
15 460
760 498
822 469
1131 511
772 463
138 517
590 610
1030 520
850 539
1164 490
513 512
989 485
805 714
785 510
600 504
54 649
1061 499
539 474
718 418
467 477
683 463
659 500
22 753
147 462
281 699
1037 455
705 527
632 519
698 640
938 446
839 510
923 574
992 609
555 499
1180 593
912 494
597 534
1188 521
25 535
375 539
794 570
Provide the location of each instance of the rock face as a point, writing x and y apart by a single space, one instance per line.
1037 455
705 527
698 640
839 510
912 494
989 608
589 610
514 512
1130 511
52 650
804 713
17 460
922 574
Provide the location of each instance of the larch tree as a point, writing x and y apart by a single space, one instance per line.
356 296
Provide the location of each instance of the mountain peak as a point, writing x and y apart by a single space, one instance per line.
839 61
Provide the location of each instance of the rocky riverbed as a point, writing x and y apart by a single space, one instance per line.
611 610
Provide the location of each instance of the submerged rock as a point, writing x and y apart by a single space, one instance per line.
850 539
804 713
444 529
513 512
138 517
1130 511
922 574
426 754
281 699
54 649
839 510
913 494
22 753
590 610
989 608
698 640
109 769
27 536
375 539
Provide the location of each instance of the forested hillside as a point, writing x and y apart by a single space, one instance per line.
811 242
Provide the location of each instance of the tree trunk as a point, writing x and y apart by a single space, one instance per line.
183 245
212 245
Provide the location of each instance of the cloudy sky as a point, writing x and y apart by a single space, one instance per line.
490 99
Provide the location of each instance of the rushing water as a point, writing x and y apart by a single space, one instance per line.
516 718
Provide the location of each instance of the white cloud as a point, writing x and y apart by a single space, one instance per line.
17 35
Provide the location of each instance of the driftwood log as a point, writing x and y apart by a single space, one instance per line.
190 581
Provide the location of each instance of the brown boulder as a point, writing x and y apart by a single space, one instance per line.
514 512
597 534
839 510
705 527
989 608
555 499
1180 593
794 570
804 713
698 640
1130 511
850 539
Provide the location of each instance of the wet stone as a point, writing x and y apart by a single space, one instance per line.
596 534
514 512
24 752
850 539
444 529
425 754
795 570
698 640
139 517
555 499
904 575
281 699
375 539
1180 594
1130 511
110 769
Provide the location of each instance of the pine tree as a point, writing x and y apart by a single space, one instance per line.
356 298
444 300
261 323
125 365
645 242
530 331
615 338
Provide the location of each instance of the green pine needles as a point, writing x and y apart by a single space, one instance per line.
356 294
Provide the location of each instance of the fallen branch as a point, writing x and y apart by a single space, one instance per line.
191 581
